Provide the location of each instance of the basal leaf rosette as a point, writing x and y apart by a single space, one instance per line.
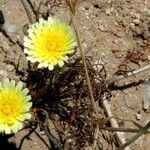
49 42
14 106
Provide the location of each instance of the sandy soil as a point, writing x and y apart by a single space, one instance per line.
109 29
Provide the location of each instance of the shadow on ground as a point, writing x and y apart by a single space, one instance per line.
6 144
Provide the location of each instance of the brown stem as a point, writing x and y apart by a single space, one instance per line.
119 129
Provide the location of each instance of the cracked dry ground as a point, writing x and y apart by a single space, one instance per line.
109 30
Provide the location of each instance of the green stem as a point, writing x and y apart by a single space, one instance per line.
135 137
51 138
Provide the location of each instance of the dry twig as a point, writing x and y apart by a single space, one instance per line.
129 74
120 135
74 23
24 3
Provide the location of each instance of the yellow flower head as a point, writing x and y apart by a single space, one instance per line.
14 106
48 42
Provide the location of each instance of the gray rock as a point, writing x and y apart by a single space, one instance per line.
137 16
132 26
136 21
102 28
148 12
146 96
120 34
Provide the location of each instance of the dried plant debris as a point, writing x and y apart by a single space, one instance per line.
64 93
134 57
44 8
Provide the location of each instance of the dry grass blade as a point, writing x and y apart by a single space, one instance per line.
24 3
73 18
129 74
83 57
71 5
135 137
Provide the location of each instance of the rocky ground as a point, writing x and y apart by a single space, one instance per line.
114 34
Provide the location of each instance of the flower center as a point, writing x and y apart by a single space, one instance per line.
6 110
51 43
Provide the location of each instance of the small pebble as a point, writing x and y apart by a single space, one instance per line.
115 47
124 23
102 28
3 73
9 67
70 140
114 31
44 10
136 21
42 132
137 16
146 95
108 11
138 116
148 12
120 34
132 26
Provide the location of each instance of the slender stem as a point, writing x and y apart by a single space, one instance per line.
72 13
129 74
120 129
52 139
135 137
27 11
84 64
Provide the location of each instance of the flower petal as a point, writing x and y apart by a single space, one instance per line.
14 106
49 42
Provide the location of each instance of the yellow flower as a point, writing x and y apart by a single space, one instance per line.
48 42
14 106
